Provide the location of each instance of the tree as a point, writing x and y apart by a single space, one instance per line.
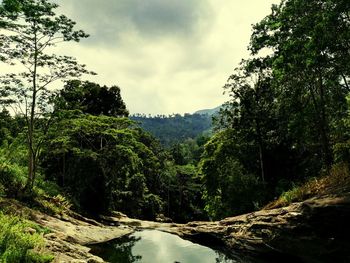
251 112
5 123
176 128
287 113
310 64
91 98
229 188
104 163
29 31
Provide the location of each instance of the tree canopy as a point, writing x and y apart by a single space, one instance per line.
29 30
91 98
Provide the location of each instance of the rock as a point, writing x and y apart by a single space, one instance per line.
163 219
312 231
316 230
118 214
94 260
30 230
69 235
109 220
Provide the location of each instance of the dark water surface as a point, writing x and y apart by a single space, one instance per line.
152 246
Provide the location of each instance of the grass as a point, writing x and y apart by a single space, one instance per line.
335 183
21 241
46 196
52 205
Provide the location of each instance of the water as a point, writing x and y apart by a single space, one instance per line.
152 246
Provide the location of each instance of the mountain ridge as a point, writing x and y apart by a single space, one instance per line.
211 112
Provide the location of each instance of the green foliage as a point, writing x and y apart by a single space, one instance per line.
91 98
56 205
18 243
342 152
189 151
104 163
29 30
336 182
310 67
292 195
175 128
229 188
181 191
13 170
341 149
45 196
288 117
5 123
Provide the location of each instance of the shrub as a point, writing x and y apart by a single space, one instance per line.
336 182
12 171
11 179
20 241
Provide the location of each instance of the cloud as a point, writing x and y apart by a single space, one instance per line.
168 56
109 21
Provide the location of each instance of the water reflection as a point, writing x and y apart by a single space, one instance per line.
152 246
120 251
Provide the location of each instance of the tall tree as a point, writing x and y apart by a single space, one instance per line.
287 106
91 98
310 63
29 29
252 111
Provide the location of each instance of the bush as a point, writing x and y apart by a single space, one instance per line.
342 152
335 183
13 170
11 179
20 241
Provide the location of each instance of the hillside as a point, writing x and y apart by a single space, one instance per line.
264 178
210 112
268 235
175 128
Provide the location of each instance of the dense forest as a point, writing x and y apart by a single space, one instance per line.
287 121
175 128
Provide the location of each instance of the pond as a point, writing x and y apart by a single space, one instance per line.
152 246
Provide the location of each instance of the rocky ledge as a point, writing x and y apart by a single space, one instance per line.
316 230
70 234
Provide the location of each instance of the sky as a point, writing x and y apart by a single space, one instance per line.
167 56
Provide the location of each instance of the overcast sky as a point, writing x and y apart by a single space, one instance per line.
167 56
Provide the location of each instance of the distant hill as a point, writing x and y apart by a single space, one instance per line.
175 128
209 111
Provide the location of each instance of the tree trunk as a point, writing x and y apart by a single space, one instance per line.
261 154
322 123
31 125
324 129
31 152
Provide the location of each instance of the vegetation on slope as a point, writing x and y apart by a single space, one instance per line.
20 241
287 121
175 128
337 182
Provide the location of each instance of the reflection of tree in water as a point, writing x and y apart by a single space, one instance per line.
117 251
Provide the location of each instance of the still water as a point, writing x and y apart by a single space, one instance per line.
152 246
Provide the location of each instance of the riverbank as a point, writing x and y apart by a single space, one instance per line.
69 233
315 230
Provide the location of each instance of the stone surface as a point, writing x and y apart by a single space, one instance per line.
316 230
70 236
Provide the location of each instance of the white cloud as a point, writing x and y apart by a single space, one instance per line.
168 56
